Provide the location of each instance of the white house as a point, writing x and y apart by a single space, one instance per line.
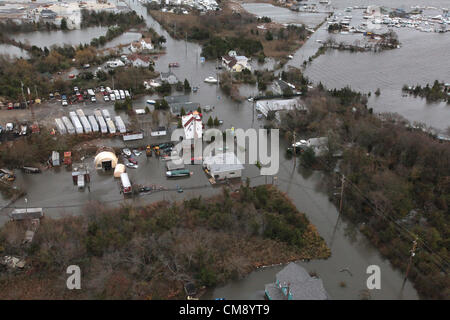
223 166
141 45
192 125
139 61
319 145
168 77
115 63
233 62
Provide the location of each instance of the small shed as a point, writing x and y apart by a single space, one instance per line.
120 168
55 159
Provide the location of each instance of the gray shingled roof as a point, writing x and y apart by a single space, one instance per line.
301 284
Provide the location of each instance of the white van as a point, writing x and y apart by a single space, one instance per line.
125 182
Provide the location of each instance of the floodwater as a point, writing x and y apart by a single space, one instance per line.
58 37
55 191
421 59
13 51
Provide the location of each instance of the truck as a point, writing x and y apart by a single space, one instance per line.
76 122
60 126
68 124
55 159
125 183
148 151
120 125
91 92
94 123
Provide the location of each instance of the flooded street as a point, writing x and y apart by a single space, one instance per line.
388 70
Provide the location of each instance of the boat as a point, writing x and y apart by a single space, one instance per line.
290 56
211 80
151 101
178 173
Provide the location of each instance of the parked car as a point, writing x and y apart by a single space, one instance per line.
112 97
127 94
64 103
133 160
132 165
71 76
9 126
126 152
75 89
87 66
106 98
93 99
122 94
145 189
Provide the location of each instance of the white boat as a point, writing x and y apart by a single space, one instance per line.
211 80
290 56
151 101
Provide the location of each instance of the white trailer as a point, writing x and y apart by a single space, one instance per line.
120 125
101 121
69 125
80 113
76 122
93 123
60 126
106 114
86 124
111 126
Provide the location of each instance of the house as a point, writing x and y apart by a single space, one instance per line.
319 145
192 125
47 14
114 63
139 61
294 283
280 86
189 106
234 63
145 44
275 105
223 166
168 77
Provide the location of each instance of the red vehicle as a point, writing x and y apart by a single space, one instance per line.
10 106
71 76
132 160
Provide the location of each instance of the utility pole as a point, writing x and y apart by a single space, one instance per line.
23 94
342 194
413 253
295 150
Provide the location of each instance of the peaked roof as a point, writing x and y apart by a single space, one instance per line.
301 285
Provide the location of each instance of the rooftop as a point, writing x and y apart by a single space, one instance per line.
300 284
